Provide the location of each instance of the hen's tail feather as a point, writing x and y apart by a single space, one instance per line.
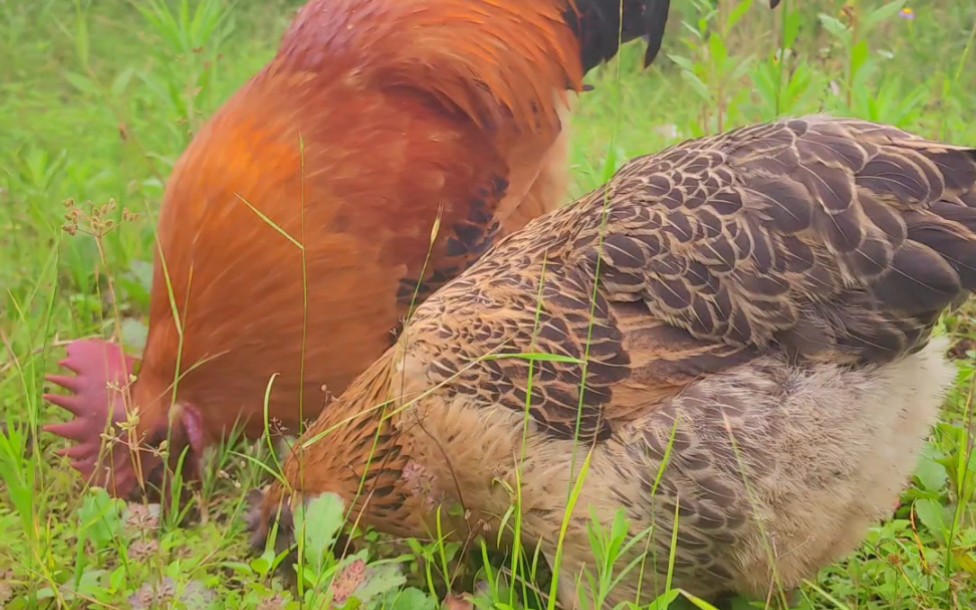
949 230
935 269
948 227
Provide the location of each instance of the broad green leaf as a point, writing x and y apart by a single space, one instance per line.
100 517
931 474
380 580
411 599
319 523
932 516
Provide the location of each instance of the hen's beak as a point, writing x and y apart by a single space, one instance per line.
270 518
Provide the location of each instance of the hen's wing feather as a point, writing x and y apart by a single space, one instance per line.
836 240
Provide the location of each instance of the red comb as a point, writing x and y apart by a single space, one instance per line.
102 374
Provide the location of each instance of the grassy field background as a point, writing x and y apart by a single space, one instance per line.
97 101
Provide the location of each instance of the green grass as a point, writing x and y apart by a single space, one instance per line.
97 101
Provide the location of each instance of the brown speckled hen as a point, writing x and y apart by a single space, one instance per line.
320 182
758 361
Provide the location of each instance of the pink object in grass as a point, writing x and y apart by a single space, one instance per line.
96 396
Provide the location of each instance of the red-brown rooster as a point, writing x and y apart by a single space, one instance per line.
386 146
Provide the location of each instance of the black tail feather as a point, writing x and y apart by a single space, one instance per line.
604 25
655 21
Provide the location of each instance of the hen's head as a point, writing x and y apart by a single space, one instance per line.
353 451
117 446
271 518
